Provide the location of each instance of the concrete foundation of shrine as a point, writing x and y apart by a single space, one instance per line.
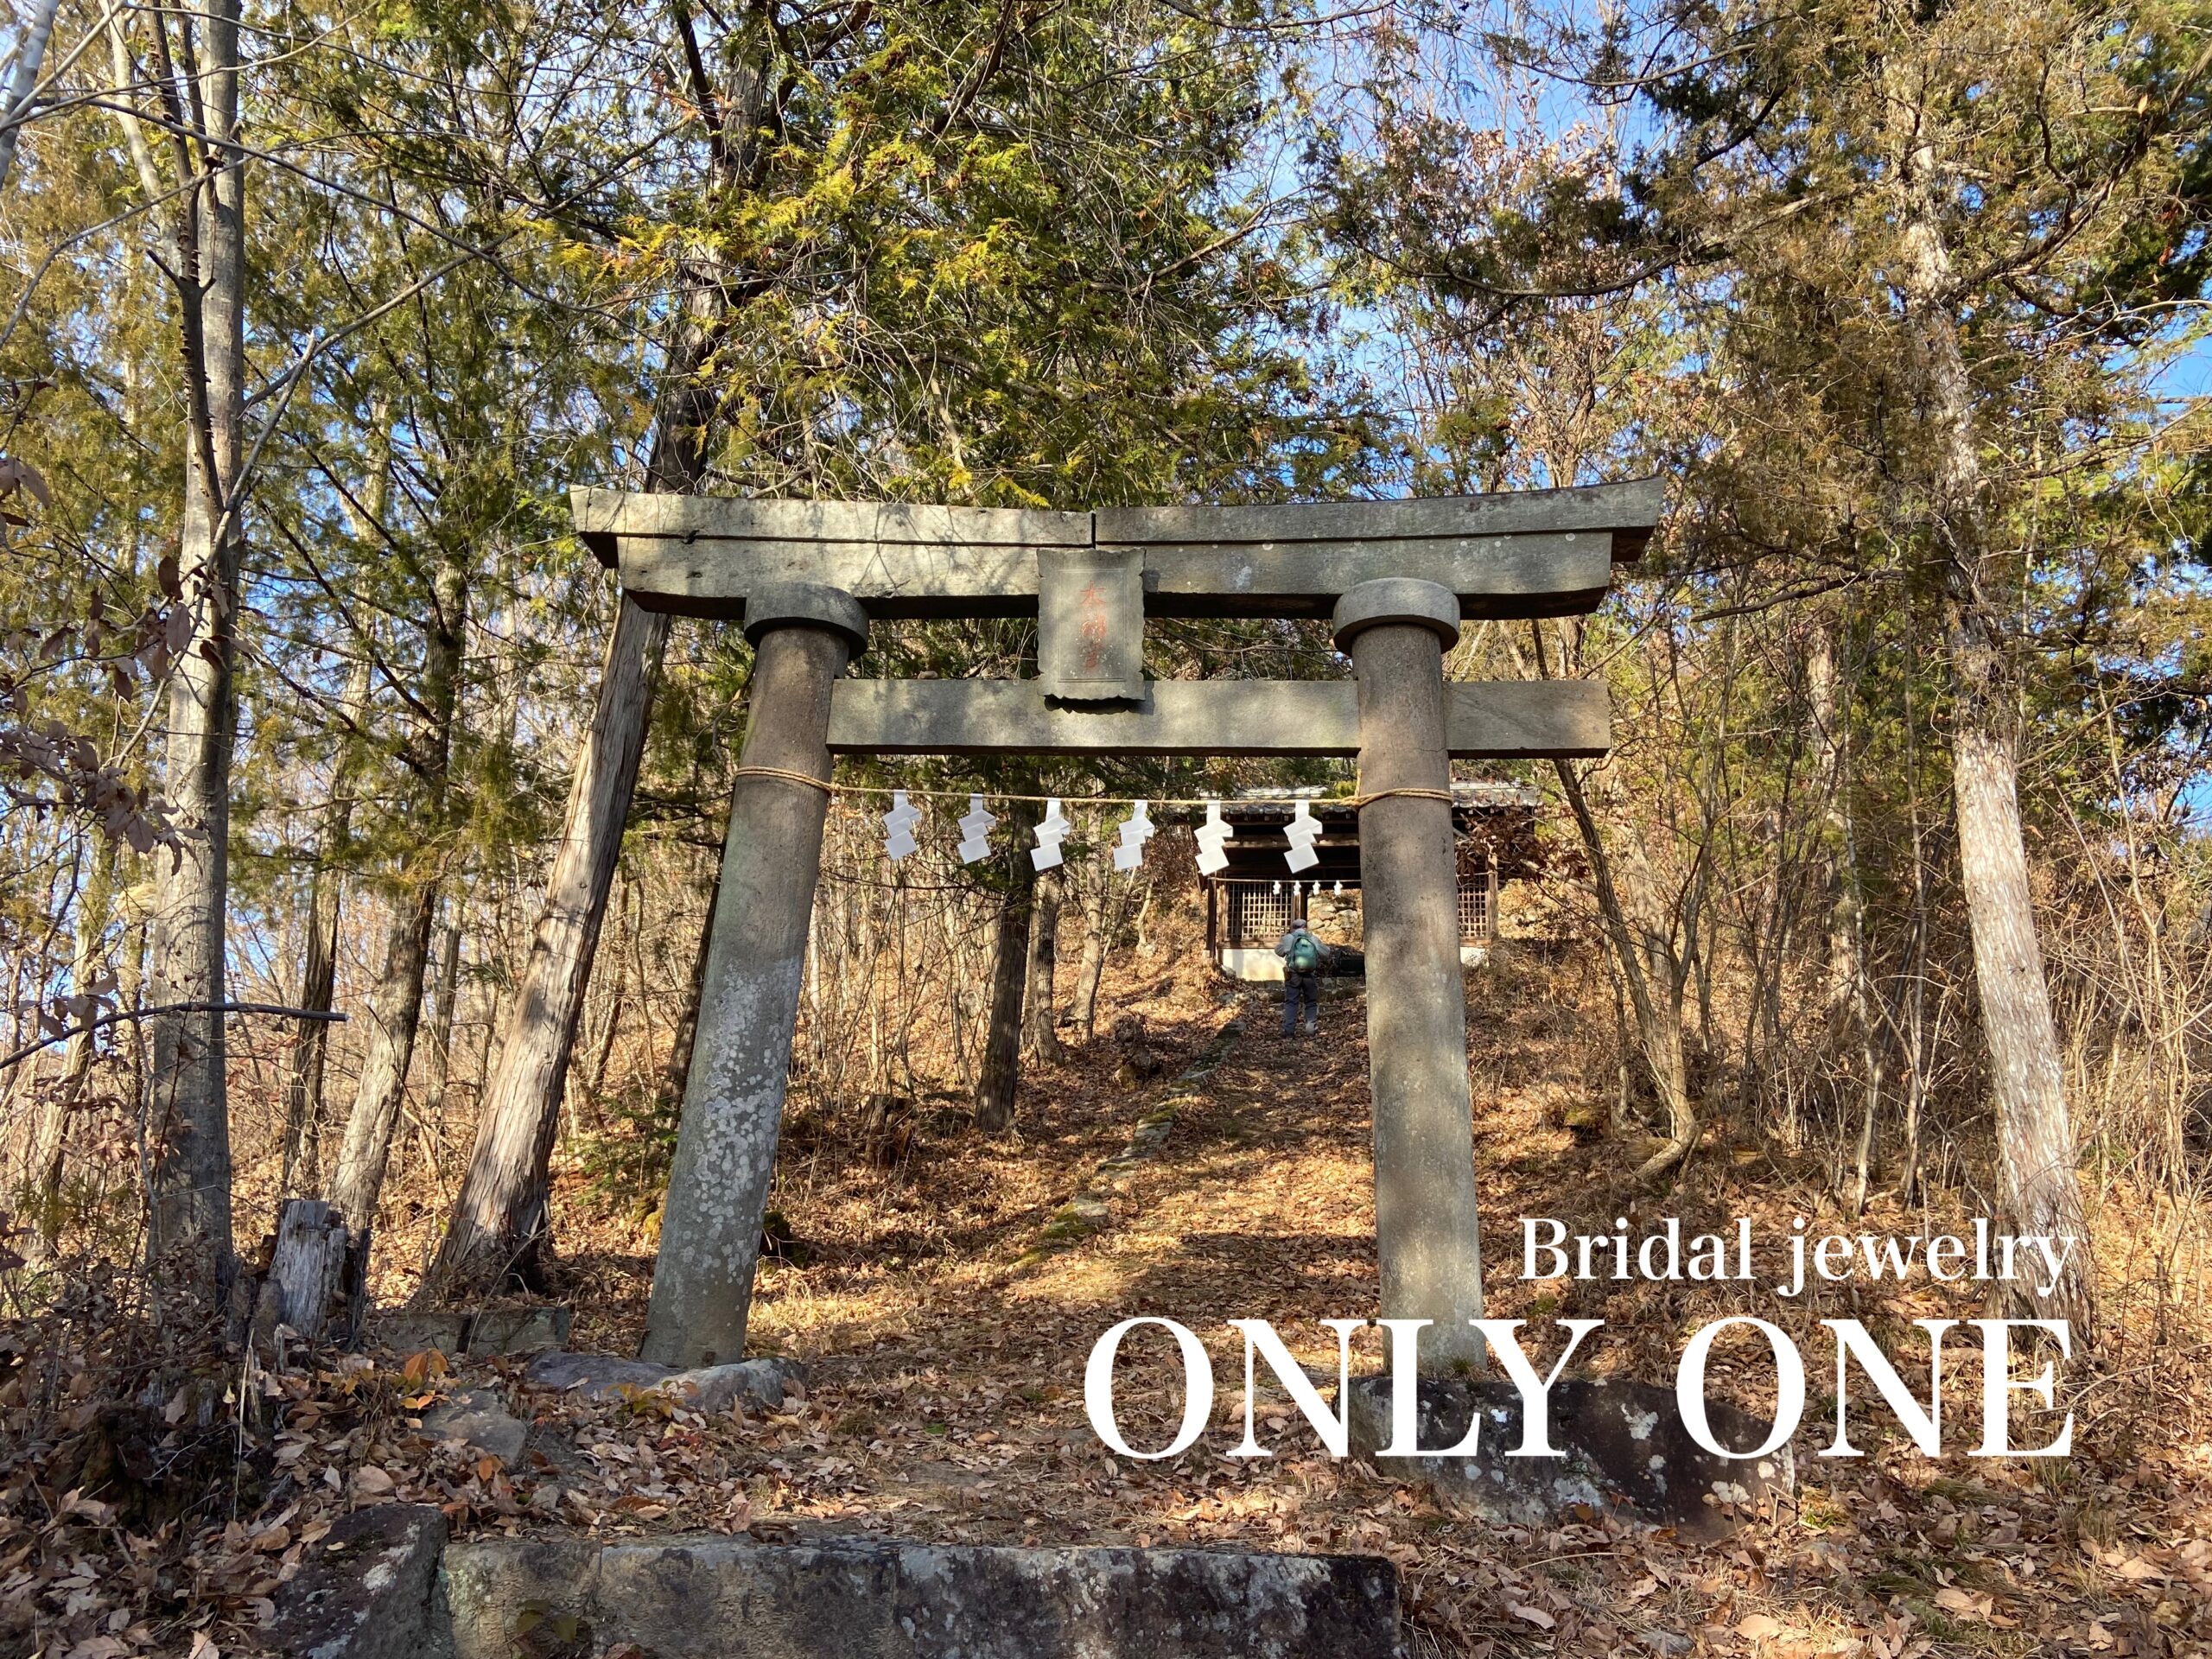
1259 965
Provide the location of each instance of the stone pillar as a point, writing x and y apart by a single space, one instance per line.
802 636
1396 631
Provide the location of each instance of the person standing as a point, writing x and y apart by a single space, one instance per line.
1303 957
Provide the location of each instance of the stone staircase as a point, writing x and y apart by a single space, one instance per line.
387 1584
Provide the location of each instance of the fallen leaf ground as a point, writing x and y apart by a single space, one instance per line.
946 1308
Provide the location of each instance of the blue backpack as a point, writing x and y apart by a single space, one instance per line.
1305 953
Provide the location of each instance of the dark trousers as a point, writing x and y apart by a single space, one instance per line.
1295 986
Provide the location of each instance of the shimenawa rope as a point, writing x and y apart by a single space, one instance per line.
1409 792
1355 802
788 776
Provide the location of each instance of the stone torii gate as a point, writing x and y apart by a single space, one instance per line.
1395 578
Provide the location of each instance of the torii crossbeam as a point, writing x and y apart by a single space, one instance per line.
1396 578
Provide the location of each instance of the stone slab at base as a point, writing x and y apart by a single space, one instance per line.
710 1388
519 1330
869 1599
1623 1444
475 1332
369 1589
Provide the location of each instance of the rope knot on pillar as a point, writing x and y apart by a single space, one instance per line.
788 776
1410 793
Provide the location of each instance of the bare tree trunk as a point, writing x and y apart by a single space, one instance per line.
2035 1132
302 1164
1909 1184
88 964
1829 759
611 1028
500 1209
1041 1035
307 1272
396 1005
498 1224
187 1104
1658 1008
1102 904
1665 974
443 1006
1848 994
498 1216
1001 1072
30 54
49 1146
678 1076
131 986
395 1016
1862 1016
319 975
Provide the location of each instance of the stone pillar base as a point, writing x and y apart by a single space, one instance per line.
1623 1448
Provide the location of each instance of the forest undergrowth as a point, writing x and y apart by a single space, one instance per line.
944 1321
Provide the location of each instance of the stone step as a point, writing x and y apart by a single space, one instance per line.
761 1381
476 1332
716 1597
388 1585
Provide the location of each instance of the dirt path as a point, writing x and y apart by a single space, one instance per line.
1257 1205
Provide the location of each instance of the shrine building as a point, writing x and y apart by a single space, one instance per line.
1252 902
